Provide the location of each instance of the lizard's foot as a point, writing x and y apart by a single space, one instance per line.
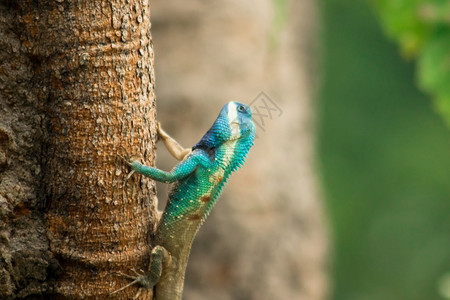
148 280
129 162
139 279
126 157
162 135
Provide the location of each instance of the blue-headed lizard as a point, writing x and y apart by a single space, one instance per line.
197 183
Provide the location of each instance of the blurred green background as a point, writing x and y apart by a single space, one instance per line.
384 160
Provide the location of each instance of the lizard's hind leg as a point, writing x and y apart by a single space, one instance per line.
159 258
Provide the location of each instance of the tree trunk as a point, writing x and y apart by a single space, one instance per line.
76 89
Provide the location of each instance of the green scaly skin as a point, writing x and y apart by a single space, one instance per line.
197 183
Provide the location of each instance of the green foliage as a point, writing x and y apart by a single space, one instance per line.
383 157
422 28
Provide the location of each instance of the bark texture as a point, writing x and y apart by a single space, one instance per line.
266 237
76 88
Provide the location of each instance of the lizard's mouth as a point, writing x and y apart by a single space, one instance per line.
235 130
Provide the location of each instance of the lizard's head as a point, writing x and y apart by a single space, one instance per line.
239 118
233 123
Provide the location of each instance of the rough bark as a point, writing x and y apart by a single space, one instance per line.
76 88
266 237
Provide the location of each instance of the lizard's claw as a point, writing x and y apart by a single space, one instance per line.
162 135
125 159
128 161
126 156
140 279
130 174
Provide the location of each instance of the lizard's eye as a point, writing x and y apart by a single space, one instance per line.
241 108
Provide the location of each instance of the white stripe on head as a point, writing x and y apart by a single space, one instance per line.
233 119
227 155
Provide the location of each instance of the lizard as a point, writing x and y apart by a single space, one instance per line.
197 182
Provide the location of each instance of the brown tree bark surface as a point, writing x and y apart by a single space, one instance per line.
76 88
266 237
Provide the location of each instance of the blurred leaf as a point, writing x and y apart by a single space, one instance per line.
422 29
434 70
399 18
443 106
434 64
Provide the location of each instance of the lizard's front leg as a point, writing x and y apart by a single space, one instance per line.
159 258
172 145
182 170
